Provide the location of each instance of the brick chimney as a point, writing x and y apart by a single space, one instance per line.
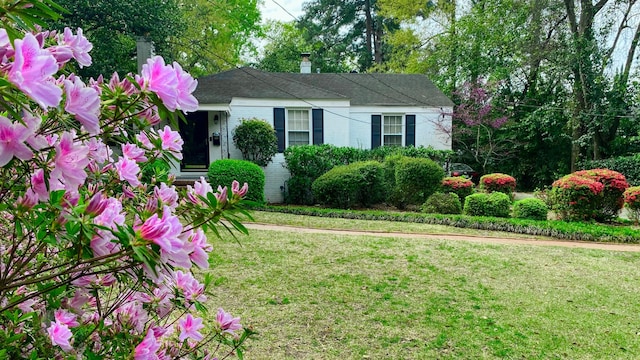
305 64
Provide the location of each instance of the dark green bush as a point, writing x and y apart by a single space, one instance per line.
441 203
530 208
223 172
495 204
306 163
257 141
346 186
415 180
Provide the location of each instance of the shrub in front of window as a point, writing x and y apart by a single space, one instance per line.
632 202
459 185
496 204
442 203
576 197
256 139
415 180
223 172
614 186
530 208
350 185
498 182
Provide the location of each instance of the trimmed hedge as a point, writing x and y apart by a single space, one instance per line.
257 141
345 186
614 186
307 162
415 180
498 182
223 172
629 166
530 208
495 204
442 203
459 185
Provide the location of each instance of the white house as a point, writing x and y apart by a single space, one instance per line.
351 109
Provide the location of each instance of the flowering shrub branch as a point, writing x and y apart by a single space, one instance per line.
97 261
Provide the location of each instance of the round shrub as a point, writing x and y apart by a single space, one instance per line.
530 208
632 202
459 185
611 200
442 203
345 186
495 204
415 180
223 172
257 141
575 197
498 182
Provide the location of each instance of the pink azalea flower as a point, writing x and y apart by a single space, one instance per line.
65 318
236 190
171 141
32 72
228 323
189 327
150 114
84 103
163 231
162 80
133 152
5 44
70 162
186 85
128 170
12 138
148 348
167 195
99 151
191 289
38 185
201 248
201 188
60 335
33 122
79 46
221 195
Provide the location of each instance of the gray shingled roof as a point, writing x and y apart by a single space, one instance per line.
360 89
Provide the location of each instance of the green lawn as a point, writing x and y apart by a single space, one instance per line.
318 296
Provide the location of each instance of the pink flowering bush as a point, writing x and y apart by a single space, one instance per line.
498 182
575 197
632 202
458 185
95 261
614 186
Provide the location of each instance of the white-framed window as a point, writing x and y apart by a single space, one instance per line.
298 127
392 130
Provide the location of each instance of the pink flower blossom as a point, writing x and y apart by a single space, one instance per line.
236 190
12 138
167 195
186 85
200 249
33 122
162 80
148 348
221 195
84 103
171 141
200 188
191 289
70 162
65 318
163 231
133 152
128 170
228 323
32 72
99 151
38 185
189 327
60 335
79 46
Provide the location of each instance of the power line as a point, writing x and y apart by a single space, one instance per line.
285 10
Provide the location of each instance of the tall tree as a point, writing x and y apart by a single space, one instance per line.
347 29
217 34
285 43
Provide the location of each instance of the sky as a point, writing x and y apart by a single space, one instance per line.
271 10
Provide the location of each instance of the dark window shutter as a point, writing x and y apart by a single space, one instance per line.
376 131
318 126
410 136
278 125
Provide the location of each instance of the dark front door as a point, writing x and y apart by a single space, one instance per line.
195 133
